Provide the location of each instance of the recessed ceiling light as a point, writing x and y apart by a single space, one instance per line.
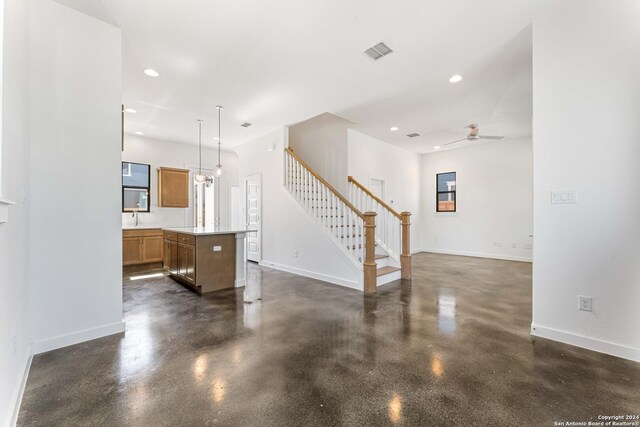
455 78
139 133
437 147
130 110
151 73
393 128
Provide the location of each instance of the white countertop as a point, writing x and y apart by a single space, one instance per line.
143 227
205 231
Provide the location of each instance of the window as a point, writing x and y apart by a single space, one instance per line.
135 187
203 193
446 192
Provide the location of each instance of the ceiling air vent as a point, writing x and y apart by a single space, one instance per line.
413 135
245 125
378 51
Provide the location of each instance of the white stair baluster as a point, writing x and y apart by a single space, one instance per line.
325 204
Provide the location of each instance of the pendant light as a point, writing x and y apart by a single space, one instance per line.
219 165
200 177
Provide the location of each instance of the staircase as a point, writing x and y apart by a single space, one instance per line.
392 228
351 228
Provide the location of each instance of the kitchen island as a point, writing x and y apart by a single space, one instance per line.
205 259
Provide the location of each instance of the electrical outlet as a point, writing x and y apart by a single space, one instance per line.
295 254
435 240
584 303
497 244
528 246
513 245
564 196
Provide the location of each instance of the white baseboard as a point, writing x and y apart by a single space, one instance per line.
16 398
240 283
479 255
78 337
586 342
313 275
416 251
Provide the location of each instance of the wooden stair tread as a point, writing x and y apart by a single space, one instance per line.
380 256
386 270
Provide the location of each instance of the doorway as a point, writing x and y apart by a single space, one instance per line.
377 188
204 204
253 203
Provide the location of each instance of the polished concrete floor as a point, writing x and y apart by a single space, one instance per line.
451 349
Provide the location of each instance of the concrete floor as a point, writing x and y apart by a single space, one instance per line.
451 349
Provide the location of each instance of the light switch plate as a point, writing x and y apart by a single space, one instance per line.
564 196
217 248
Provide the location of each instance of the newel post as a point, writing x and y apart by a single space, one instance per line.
405 255
370 266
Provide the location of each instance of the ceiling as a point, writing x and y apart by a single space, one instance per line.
278 63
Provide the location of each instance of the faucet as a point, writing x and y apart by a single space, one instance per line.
135 215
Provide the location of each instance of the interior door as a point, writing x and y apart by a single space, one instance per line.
253 207
377 188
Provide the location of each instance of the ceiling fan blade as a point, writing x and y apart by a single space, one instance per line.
490 137
453 142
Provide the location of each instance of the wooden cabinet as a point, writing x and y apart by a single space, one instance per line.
187 263
152 249
142 246
180 256
204 263
173 188
131 250
170 256
170 252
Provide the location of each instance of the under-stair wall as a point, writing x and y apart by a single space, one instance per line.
287 229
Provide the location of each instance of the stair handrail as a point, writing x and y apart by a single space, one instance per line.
374 197
323 181
404 253
353 230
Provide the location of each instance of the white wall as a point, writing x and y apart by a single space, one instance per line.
321 142
14 241
75 249
494 201
586 104
369 157
286 226
159 153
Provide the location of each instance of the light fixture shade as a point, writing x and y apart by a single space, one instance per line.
219 170
200 177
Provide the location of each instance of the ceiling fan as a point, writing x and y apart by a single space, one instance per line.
473 135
